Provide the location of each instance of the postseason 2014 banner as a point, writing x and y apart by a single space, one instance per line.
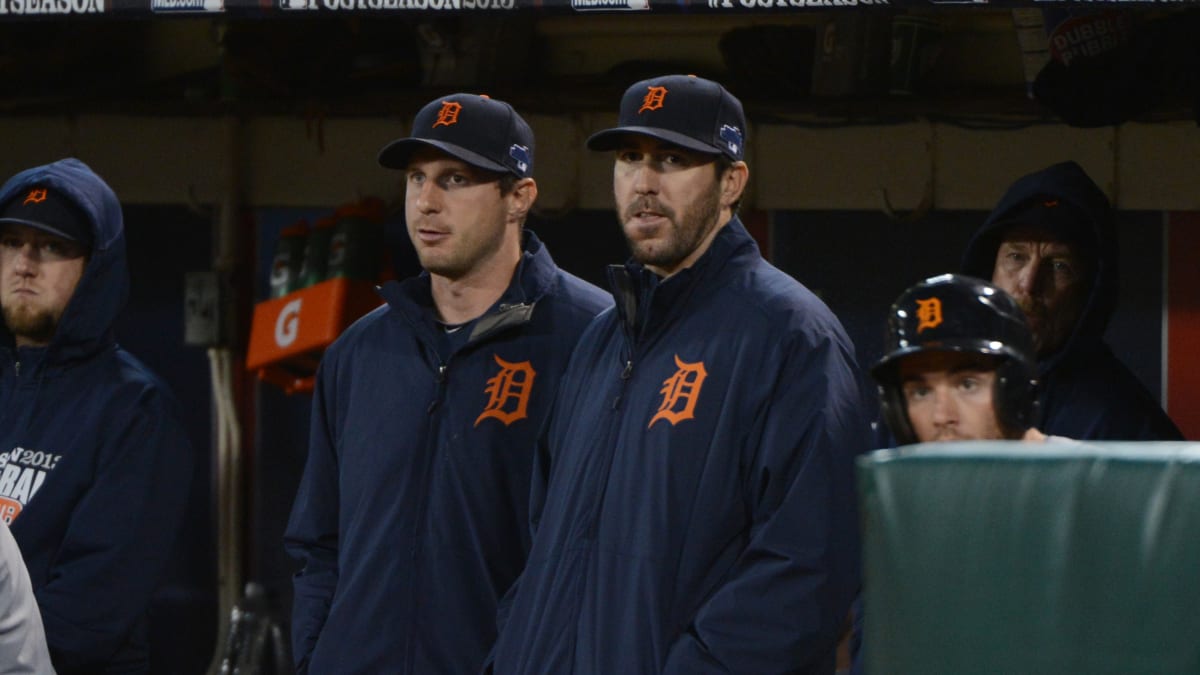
16 9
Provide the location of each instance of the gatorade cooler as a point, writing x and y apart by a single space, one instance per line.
289 259
316 254
357 242
313 302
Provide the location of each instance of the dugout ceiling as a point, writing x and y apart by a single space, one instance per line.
868 63
147 96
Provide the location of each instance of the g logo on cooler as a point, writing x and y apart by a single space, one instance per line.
287 326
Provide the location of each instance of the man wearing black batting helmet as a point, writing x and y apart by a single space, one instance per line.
959 364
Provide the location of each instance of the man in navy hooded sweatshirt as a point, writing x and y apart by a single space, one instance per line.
694 495
1051 244
94 463
412 516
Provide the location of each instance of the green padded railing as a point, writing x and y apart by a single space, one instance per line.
1028 559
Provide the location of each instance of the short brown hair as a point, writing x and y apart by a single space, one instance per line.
508 182
723 164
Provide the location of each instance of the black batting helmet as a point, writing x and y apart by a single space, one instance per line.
953 313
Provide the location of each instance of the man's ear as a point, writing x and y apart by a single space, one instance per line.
733 183
521 199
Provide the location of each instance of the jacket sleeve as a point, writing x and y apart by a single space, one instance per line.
782 605
1095 397
1138 421
22 640
312 532
119 536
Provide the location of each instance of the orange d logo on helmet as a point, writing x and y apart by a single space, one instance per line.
929 313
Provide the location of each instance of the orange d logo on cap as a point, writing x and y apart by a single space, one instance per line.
448 115
654 99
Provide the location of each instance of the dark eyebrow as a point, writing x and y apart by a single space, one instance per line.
971 367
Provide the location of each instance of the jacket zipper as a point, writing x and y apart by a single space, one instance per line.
440 378
418 543
625 374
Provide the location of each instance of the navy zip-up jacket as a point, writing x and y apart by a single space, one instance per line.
412 516
1084 391
695 489
96 465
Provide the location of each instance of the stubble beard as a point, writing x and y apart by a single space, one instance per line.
466 255
684 234
34 325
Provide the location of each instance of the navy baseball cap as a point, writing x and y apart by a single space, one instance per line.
481 131
685 110
50 211
1057 217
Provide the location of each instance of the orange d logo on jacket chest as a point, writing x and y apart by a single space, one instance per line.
680 393
508 392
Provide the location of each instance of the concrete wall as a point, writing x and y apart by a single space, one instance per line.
298 162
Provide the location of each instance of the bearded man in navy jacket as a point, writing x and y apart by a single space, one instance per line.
694 496
412 516
95 467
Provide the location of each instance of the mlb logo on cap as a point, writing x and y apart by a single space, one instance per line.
685 110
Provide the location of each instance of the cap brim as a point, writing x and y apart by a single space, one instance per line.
395 154
1067 223
610 139
38 226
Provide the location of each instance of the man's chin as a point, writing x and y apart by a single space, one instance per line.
953 438
26 322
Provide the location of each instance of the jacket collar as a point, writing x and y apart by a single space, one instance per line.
534 277
644 302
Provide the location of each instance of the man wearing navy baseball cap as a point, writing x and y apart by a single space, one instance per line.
412 516
59 238
695 503
95 465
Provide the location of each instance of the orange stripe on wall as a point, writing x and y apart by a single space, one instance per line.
1183 321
